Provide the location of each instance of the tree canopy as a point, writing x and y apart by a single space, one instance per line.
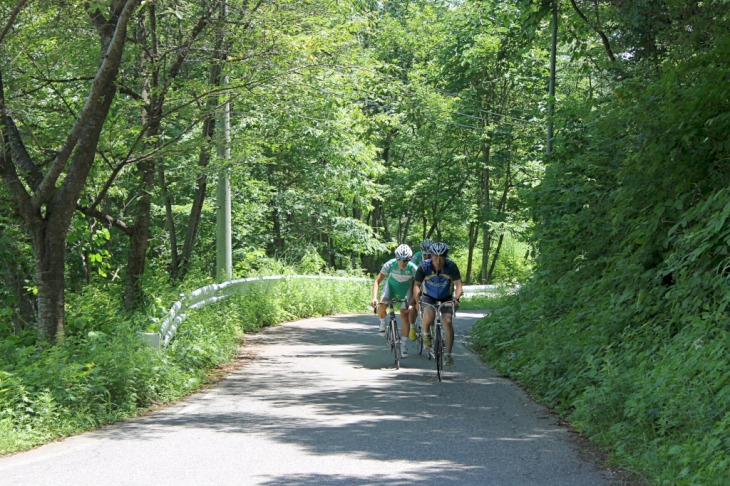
359 125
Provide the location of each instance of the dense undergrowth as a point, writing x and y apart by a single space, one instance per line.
624 326
102 372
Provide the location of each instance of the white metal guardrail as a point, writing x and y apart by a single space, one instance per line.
215 292
475 290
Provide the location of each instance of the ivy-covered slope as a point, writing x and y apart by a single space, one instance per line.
624 327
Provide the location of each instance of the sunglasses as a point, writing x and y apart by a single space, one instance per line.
403 259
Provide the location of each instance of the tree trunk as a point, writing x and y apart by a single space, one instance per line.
154 93
501 210
551 84
49 206
196 211
486 212
277 241
494 258
406 229
139 241
142 205
50 253
169 223
473 236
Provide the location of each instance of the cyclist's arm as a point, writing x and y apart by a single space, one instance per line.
458 291
417 281
416 290
376 286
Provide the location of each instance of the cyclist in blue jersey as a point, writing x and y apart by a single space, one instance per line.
398 274
438 280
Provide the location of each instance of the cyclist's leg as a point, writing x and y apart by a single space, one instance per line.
404 322
403 309
383 308
384 297
405 313
413 310
428 316
438 351
446 319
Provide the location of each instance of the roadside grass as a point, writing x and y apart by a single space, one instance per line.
494 299
654 395
101 372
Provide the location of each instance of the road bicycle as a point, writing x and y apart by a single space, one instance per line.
392 332
438 343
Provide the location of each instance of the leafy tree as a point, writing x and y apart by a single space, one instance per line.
454 123
44 164
630 226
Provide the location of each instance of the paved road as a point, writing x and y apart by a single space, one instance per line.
320 403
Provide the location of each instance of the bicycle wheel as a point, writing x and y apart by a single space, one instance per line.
419 335
438 351
395 342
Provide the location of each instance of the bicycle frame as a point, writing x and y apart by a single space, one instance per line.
438 342
419 329
392 332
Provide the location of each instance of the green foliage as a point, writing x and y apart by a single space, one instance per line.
624 326
77 385
495 299
513 266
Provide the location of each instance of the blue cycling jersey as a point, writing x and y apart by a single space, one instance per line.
438 285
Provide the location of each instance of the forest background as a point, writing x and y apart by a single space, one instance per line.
343 129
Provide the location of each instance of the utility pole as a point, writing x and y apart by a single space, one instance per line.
224 252
223 245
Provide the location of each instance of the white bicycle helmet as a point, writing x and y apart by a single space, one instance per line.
439 249
403 252
426 246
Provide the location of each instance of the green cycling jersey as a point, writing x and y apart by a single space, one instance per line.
399 280
417 258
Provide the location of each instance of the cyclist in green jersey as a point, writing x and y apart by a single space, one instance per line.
398 274
424 253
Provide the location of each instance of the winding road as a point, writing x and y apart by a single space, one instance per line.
318 402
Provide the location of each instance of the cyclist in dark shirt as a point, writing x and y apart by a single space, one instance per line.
438 280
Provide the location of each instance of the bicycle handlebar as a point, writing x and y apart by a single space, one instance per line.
389 303
437 306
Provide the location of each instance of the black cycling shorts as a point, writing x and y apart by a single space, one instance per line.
444 310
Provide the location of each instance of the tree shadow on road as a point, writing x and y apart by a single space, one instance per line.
331 390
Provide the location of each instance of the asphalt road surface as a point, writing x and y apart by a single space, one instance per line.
318 402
